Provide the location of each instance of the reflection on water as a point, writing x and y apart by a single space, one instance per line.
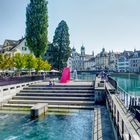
84 76
77 126
129 84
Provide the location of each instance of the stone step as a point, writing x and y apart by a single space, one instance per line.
59 88
57 94
71 106
63 86
54 98
54 107
14 111
51 102
58 91
18 105
17 108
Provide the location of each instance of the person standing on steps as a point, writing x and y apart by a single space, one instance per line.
53 84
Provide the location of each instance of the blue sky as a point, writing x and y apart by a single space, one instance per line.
114 24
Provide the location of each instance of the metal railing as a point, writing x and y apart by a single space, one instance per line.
120 114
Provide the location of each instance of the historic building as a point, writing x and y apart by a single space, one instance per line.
123 63
113 57
79 60
102 60
135 61
90 64
106 61
12 47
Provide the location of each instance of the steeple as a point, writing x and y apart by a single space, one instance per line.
73 49
82 50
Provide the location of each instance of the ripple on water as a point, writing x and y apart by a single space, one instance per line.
12 138
52 127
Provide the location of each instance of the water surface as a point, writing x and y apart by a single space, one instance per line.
129 84
76 126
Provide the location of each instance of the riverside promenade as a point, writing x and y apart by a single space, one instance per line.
124 122
63 98
111 120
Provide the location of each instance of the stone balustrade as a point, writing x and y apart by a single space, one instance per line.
7 92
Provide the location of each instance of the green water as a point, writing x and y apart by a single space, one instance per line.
77 126
85 76
129 84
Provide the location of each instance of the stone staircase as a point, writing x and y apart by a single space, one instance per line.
58 97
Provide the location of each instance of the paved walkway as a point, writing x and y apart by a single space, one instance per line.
68 83
102 124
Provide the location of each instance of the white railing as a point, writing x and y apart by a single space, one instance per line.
126 97
127 128
7 92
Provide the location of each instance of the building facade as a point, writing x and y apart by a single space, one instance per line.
12 47
102 60
123 64
90 64
135 62
113 57
81 61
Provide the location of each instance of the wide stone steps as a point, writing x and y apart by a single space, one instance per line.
53 98
58 91
56 94
51 102
58 98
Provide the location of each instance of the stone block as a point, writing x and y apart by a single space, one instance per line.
39 109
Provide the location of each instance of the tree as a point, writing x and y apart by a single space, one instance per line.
6 62
60 48
30 62
39 64
2 65
37 26
46 66
19 61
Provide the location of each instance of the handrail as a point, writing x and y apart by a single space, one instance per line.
124 109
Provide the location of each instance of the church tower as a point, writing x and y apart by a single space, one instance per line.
82 57
82 51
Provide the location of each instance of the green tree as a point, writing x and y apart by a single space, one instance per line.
46 66
30 62
60 47
37 26
2 64
6 62
39 64
19 61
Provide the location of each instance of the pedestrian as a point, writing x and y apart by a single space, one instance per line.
44 76
50 83
53 84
